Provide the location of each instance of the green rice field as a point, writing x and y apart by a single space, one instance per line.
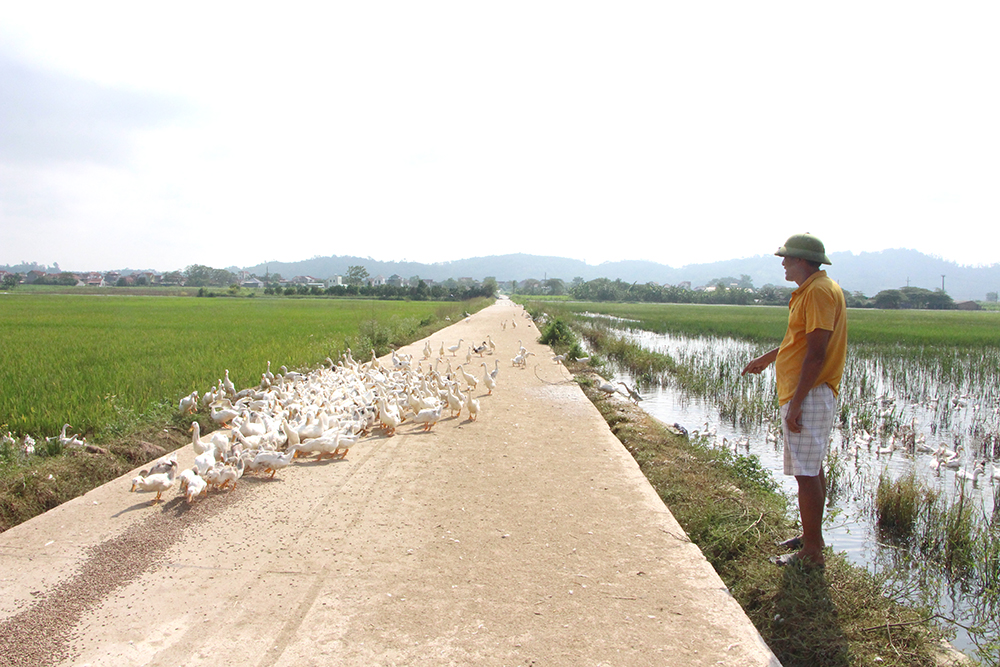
767 323
90 360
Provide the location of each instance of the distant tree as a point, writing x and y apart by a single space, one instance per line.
857 299
768 295
141 280
173 277
197 275
745 282
489 286
65 278
991 297
890 298
11 280
939 300
531 286
725 281
356 275
222 278
555 286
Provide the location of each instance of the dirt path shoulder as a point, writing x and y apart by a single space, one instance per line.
526 537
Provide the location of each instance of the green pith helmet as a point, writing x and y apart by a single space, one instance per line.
804 246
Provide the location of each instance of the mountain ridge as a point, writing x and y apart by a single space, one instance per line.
865 272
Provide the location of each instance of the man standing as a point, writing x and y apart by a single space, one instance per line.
808 366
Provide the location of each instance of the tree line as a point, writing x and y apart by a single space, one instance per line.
446 291
725 290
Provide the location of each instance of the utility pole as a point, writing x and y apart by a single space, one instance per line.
942 283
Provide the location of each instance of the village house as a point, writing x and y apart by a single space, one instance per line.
92 279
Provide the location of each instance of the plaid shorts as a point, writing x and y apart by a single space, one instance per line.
805 450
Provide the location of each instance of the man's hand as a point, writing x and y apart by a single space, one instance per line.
760 363
793 417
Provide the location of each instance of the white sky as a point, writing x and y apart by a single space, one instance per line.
159 135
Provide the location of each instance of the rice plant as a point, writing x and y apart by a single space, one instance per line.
899 503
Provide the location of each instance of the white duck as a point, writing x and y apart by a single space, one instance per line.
488 380
196 441
607 387
274 461
252 426
204 461
68 440
389 416
158 482
189 403
888 449
327 445
456 401
455 348
978 469
954 462
223 412
428 417
230 474
470 380
472 405
161 465
192 484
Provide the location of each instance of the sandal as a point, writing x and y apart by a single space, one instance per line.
792 543
785 560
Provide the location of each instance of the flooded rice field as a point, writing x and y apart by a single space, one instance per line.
899 412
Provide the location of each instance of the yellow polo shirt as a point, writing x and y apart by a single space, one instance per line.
817 304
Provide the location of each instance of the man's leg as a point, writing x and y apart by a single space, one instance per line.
812 499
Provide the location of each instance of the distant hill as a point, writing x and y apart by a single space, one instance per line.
867 272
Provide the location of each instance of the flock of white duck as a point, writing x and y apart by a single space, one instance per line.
942 457
26 445
321 413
